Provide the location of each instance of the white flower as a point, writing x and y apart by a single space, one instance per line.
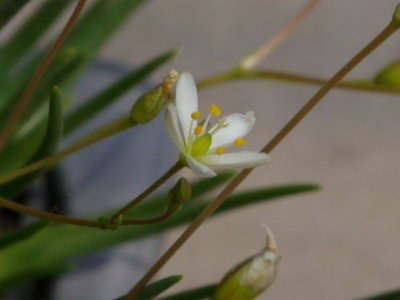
202 146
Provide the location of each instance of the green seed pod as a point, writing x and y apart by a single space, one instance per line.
179 195
390 75
251 277
151 103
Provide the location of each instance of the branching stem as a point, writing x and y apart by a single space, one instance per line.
196 223
175 168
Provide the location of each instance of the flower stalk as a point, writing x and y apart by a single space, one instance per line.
175 168
391 28
104 132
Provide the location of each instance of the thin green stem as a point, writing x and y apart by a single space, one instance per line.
250 61
158 219
108 130
19 107
46 215
240 74
175 168
198 221
26 210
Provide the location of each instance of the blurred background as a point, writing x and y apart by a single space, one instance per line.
341 242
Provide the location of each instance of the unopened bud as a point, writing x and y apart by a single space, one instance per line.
390 75
151 103
108 223
179 195
396 16
251 277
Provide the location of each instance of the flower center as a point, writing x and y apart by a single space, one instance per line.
200 137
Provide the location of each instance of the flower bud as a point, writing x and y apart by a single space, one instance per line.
179 195
251 277
390 75
396 16
150 103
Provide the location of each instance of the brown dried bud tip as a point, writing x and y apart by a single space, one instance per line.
169 81
251 277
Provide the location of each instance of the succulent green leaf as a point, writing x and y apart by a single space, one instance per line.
393 295
156 288
8 8
201 293
26 36
95 105
29 130
87 34
21 234
49 145
16 263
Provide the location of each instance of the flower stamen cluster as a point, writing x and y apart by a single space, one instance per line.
203 146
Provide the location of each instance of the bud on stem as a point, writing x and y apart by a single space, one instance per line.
179 195
150 103
251 277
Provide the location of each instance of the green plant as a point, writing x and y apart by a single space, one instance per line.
33 88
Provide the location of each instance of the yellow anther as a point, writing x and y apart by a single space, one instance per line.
220 150
214 110
196 115
240 142
198 130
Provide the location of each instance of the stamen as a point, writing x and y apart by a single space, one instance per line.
214 110
240 141
220 150
198 130
196 115
221 124
205 125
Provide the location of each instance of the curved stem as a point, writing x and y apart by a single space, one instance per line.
238 74
379 39
158 219
175 168
23 209
39 73
108 130
253 59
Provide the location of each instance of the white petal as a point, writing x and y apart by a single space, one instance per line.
199 168
238 126
244 159
186 101
172 126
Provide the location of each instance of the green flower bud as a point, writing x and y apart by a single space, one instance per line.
396 16
179 195
390 75
251 277
151 103
107 223
201 144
